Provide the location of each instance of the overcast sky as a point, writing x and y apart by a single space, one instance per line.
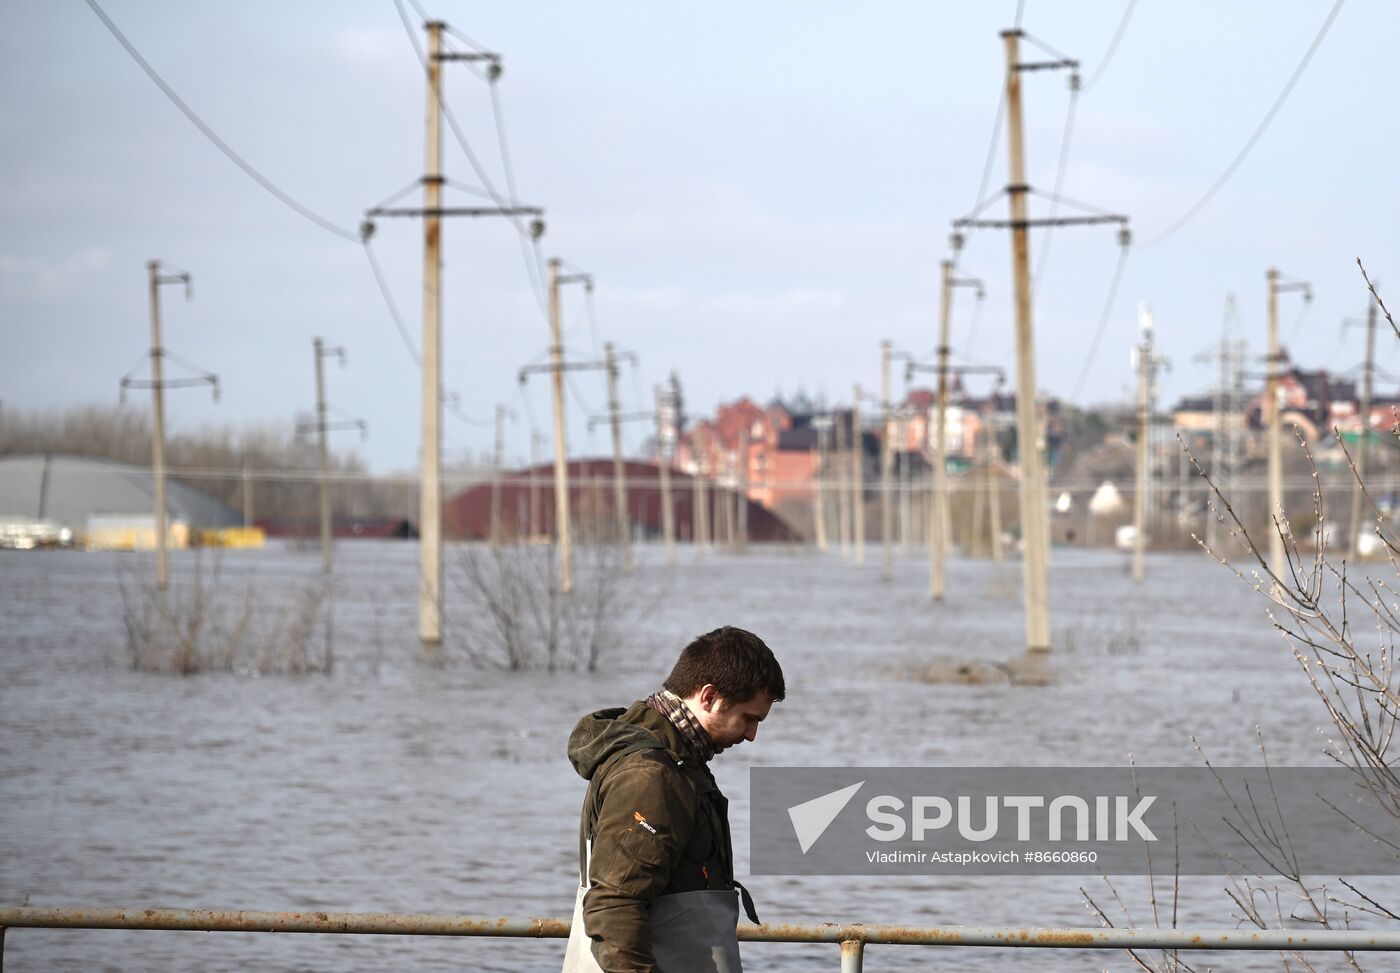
763 192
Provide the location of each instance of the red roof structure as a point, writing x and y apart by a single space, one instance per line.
527 503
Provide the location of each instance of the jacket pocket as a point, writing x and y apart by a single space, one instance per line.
643 847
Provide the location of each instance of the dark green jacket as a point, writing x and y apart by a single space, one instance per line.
659 826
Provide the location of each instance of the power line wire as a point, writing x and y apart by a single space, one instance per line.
391 305
1047 49
267 184
972 329
578 396
981 200
1102 326
1059 182
1258 132
210 134
460 135
1112 45
534 267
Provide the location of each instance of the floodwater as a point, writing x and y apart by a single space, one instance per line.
392 785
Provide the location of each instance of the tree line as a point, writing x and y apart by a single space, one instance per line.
282 464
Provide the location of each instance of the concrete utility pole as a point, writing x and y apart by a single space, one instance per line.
320 351
497 462
321 425
1034 512
663 471
158 385
741 500
727 503
430 458
938 512
886 466
1034 520
843 490
1226 420
563 528
247 497
819 512
432 212
700 516
858 477
1274 425
536 440
1368 372
1219 433
901 438
993 487
1147 379
619 483
158 419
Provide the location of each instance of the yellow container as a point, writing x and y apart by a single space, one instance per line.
232 537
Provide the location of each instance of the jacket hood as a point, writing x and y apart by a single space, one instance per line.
605 732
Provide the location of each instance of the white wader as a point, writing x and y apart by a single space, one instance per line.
691 932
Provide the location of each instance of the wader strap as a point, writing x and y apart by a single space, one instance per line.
747 899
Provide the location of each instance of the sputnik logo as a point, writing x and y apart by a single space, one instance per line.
810 819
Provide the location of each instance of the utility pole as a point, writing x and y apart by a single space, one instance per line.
1368 372
886 466
1225 408
741 500
663 470
823 427
1147 379
858 477
563 529
158 385
1274 425
320 352
1034 523
536 439
726 503
700 516
938 511
430 459
321 425
993 486
1220 432
843 491
158 418
619 484
247 497
497 462
1034 513
615 418
432 212
901 438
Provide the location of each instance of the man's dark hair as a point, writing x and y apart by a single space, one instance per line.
737 662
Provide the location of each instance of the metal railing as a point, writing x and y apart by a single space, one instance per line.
851 938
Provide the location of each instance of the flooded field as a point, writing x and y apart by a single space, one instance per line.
395 786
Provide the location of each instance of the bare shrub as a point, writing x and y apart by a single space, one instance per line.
201 626
1342 629
510 613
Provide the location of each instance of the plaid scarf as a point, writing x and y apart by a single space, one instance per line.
671 706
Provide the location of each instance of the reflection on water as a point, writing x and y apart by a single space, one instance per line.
393 786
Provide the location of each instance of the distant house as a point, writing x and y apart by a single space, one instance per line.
779 468
1316 401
